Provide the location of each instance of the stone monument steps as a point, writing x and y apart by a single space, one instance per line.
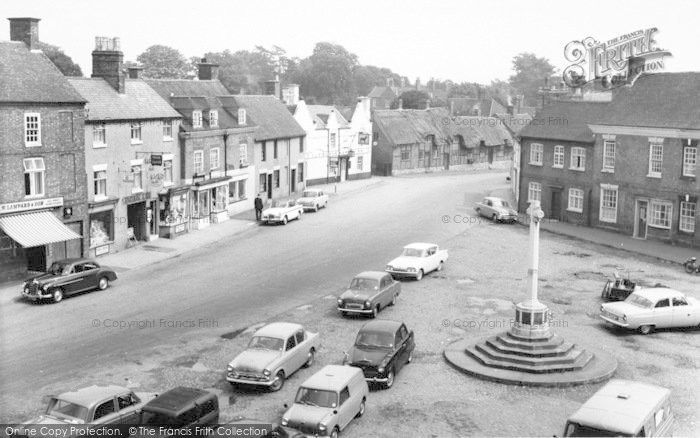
559 349
491 353
579 363
552 343
530 340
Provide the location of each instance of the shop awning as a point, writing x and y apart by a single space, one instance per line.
36 229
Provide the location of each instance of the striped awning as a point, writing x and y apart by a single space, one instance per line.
36 229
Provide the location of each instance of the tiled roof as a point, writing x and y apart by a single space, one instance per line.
661 100
187 87
566 120
347 111
515 122
272 117
29 76
227 111
466 106
139 101
322 112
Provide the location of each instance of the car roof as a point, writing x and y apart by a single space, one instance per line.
332 377
74 260
93 394
494 198
372 275
381 325
420 245
620 406
176 400
279 330
657 293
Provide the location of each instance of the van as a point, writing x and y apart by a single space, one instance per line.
624 408
328 401
181 408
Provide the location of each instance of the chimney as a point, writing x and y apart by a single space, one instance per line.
635 67
290 94
272 88
207 71
26 30
509 105
135 72
108 62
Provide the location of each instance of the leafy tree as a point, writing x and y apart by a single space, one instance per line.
414 99
162 62
327 75
62 61
367 77
531 73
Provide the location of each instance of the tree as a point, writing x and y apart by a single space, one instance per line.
414 99
163 62
531 73
367 77
327 75
62 61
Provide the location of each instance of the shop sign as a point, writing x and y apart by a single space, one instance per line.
156 178
137 197
101 250
35 204
179 228
156 159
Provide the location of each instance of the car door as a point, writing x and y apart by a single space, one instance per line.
302 348
682 312
384 295
72 280
127 408
432 258
400 350
88 271
291 355
106 413
345 408
663 313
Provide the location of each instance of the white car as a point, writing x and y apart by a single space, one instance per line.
313 200
647 309
282 212
416 260
275 352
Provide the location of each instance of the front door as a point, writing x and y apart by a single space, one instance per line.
556 204
269 186
293 181
642 213
343 168
490 155
74 247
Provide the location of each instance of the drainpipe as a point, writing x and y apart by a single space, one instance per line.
289 165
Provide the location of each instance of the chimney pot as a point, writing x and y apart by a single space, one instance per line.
135 72
206 71
108 62
26 30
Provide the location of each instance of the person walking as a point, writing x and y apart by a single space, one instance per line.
258 207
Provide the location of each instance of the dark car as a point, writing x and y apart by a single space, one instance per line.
381 349
369 292
68 277
181 408
256 428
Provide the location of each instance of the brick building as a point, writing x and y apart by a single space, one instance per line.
43 190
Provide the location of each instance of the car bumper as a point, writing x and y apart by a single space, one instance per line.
273 219
376 379
251 381
614 321
403 273
507 218
362 311
38 295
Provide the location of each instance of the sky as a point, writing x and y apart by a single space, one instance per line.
459 40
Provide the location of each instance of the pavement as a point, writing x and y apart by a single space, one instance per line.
651 248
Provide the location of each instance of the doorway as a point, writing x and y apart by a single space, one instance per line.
269 186
641 215
293 181
556 205
490 155
136 220
36 258
343 169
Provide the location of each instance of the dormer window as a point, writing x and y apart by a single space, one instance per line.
196 119
213 118
241 116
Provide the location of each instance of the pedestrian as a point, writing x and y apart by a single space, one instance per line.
258 207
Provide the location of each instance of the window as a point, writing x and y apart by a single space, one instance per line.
99 135
167 171
291 343
687 217
214 158
219 196
137 171
301 144
32 129
213 118
100 188
332 140
558 156
276 177
300 337
241 189
609 156
534 191
656 154
241 116
300 172
576 200
104 409
359 163
196 119
101 228
690 160
344 396
660 214
663 303
263 151
127 400
608 203
167 130
243 155
405 153
578 158
536 152
198 162
263 182
34 171
274 150
136 133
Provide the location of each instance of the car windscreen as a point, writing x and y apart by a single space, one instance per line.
66 410
574 429
309 195
58 268
501 203
276 204
639 301
317 397
412 252
375 339
364 284
266 343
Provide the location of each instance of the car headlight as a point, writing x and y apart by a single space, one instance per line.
321 427
411 269
380 369
266 372
340 302
602 309
26 289
389 268
285 421
230 369
624 318
368 303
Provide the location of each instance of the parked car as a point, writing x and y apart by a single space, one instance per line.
313 200
282 212
180 408
381 349
497 209
618 288
68 277
624 408
275 352
97 404
369 292
328 401
648 309
416 260
272 430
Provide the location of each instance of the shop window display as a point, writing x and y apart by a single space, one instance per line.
101 228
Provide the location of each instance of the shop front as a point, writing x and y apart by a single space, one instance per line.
209 201
102 227
174 213
139 217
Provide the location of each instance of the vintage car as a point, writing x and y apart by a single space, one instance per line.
381 349
68 277
272 430
328 401
649 309
497 209
313 200
416 260
180 408
369 292
97 404
618 288
275 352
281 212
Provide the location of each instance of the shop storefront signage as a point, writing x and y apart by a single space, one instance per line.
35 204
156 159
156 178
137 197
179 228
101 250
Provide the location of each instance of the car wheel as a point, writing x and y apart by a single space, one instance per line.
409 359
420 275
310 359
103 283
316 208
439 268
284 220
334 433
375 311
278 383
393 300
494 217
389 379
645 329
57 295
361 412
343 313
